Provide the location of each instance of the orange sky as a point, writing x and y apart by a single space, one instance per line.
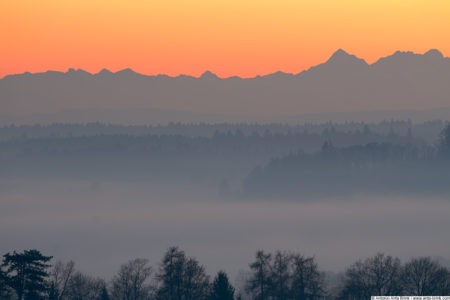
228 37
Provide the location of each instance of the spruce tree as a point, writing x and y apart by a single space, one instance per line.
221 288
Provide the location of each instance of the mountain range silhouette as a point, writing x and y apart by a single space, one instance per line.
344 83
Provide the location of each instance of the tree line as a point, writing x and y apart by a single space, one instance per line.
225 155
373 167
400 127
30 275
236 141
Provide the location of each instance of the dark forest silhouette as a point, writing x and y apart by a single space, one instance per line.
373 167
243 159
30 275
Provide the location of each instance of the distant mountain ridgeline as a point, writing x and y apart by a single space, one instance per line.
397 86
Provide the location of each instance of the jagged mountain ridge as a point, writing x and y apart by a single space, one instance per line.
344 83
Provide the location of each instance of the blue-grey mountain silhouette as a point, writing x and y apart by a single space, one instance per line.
344 83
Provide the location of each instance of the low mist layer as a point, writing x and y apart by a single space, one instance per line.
99 224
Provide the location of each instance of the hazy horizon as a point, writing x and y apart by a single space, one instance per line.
131 220
302 147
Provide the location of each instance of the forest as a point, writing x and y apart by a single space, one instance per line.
106 190
282 275
387 168
242 160
425 131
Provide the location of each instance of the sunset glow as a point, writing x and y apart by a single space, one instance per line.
228 37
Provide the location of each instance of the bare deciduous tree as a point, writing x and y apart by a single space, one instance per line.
181 277
307 281
281 276
291 276
375 276
60 277
132 282
195 281
425 277
84 287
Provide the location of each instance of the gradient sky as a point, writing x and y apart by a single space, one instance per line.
228 37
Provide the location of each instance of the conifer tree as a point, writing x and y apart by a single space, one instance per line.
221 288
26 273
259 285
